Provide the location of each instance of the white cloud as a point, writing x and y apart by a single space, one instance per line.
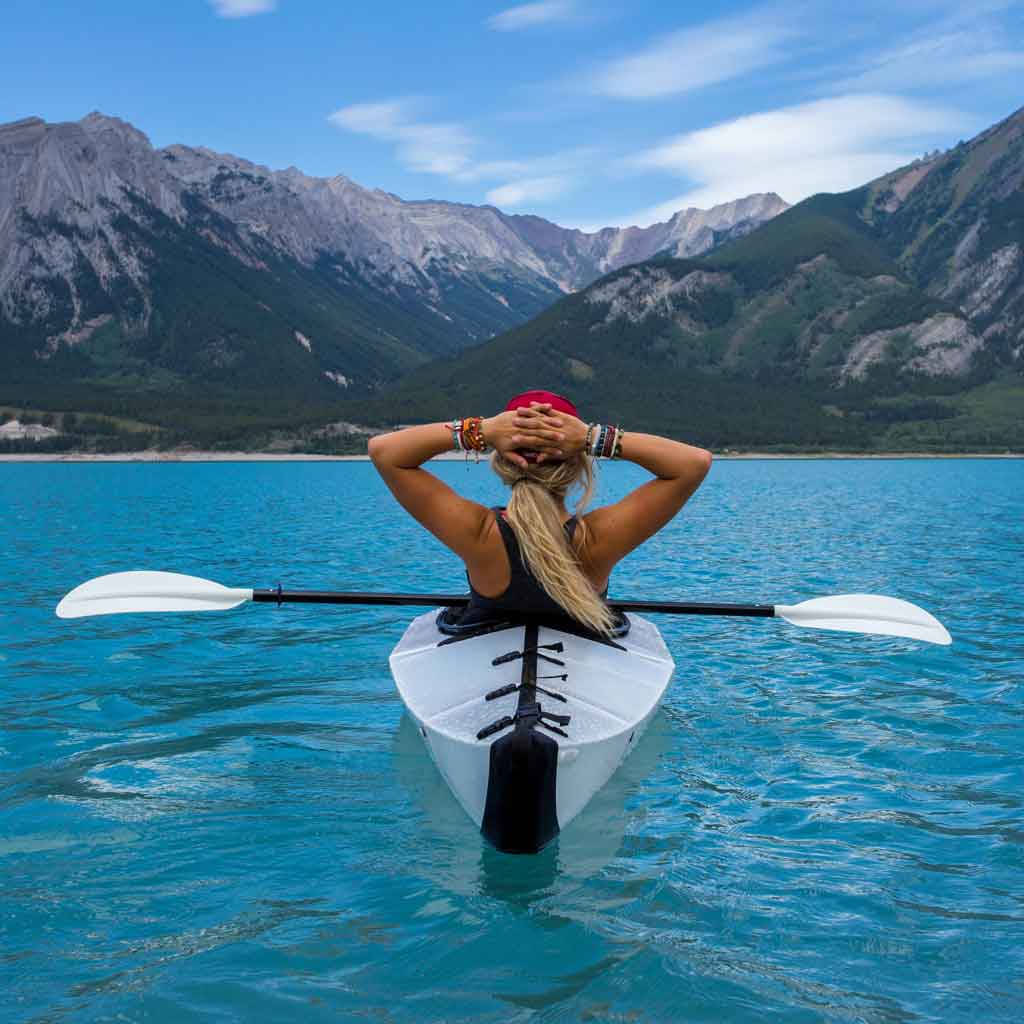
436 147
242 8
529 190
938 60
528 15
565 165
697 57
830 145
446 148
378 119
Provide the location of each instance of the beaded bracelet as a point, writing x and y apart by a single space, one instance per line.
603 441
456 428
468 436
588 441
473 434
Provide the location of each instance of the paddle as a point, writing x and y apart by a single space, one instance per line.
173 592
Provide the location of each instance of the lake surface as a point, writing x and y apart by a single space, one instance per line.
227 817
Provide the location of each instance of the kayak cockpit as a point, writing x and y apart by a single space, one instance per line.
527 719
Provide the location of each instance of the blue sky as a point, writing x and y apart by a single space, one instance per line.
588 114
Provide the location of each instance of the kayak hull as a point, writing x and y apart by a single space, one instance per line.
524 781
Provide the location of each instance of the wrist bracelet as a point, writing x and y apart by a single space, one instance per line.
456 428
468 436
609 442
603 441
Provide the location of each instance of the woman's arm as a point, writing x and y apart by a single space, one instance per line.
615 530
457 522
678 470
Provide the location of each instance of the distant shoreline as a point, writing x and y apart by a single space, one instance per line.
202 456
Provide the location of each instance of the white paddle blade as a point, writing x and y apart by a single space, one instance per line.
148 592
866 613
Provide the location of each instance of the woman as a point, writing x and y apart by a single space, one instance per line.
534 557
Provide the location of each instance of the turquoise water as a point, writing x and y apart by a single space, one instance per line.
226 817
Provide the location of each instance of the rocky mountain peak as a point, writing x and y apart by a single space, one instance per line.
98 123
13 128
83 248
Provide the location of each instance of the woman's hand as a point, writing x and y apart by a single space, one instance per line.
541 430
501 432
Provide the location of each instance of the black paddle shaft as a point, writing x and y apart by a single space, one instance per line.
461 600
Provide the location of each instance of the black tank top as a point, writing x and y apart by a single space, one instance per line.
523 593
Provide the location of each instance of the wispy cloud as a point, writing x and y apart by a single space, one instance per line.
436 147
447 148
693 58
530 190
513 19
242 8
828 145
948 53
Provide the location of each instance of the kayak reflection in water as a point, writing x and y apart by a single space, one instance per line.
533 557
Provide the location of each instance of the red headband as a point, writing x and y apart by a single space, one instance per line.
557 402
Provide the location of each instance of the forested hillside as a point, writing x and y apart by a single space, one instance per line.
890 316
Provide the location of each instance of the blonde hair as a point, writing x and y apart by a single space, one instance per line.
533 512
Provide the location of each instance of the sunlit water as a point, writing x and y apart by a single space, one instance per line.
227 817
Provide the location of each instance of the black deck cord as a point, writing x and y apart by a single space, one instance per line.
557 647
504 691
528 710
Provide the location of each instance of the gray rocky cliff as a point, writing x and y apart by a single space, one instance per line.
78 201
955 222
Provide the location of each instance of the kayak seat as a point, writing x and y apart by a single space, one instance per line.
453 623
450 622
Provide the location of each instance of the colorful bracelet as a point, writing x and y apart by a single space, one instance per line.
609 442
456 428
468 436
473 434
603 441
588 441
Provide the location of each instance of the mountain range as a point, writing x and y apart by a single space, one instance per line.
141 269
230 304
890 315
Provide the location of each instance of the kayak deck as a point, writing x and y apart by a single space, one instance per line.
493 751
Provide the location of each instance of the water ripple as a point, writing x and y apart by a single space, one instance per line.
228 817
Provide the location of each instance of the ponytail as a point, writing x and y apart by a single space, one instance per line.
533 512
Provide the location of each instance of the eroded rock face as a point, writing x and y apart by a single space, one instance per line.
638 294
306 216
688 233
71 193
14 430
978 287
62 190
902 184
955 223
806 323
942 345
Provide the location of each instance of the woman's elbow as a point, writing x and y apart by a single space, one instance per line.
700 466
375 448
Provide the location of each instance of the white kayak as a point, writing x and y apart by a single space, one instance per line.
527 721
